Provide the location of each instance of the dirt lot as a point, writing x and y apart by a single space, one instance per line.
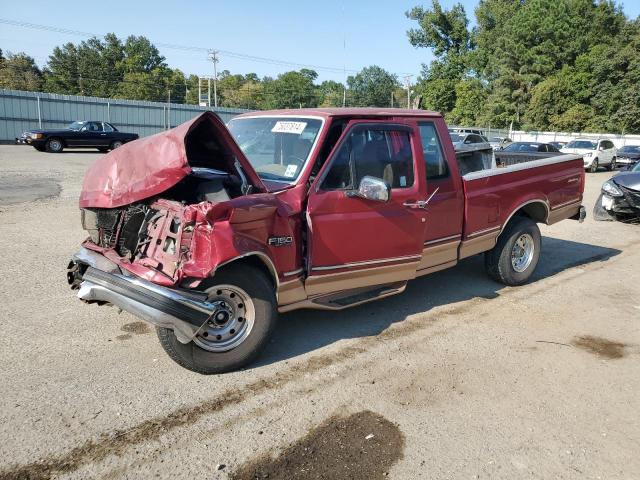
459 377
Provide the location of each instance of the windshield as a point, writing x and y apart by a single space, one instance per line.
76 125
521 147
277 147
630 149
636 167
586 144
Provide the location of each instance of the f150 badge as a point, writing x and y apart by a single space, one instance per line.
280 241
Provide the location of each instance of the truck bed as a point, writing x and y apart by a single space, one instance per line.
549 188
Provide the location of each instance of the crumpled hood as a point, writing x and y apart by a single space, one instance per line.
148 166
630 180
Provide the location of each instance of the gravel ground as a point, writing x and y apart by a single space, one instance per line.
459 377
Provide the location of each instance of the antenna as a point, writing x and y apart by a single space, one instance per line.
407 82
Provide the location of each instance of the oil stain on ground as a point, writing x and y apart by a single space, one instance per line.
600 346
138 328
362 446
21 189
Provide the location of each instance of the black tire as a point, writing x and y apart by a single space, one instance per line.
498 260
54 145
116 144
103 149
594 166
261 290
613 165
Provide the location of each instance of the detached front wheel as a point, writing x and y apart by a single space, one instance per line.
237 331
515 257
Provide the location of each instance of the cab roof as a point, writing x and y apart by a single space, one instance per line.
344 112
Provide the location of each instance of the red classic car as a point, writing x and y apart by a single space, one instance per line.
207 231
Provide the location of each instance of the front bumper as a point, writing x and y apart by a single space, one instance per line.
625 160
99 280
628 204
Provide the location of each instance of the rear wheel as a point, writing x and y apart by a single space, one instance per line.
54 145
594 166
237 331
515 257
116 144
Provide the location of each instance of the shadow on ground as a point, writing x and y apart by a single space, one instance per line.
303 331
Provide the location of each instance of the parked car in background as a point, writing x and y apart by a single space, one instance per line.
596 153
101 135
628 155
465 141
620 197
530 147
466 130
558 145
498 143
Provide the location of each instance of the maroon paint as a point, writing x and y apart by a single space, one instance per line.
342 229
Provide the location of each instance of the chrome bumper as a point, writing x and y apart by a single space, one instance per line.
184 312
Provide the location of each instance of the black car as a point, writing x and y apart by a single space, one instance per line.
530 147
101 135
628 155
620 196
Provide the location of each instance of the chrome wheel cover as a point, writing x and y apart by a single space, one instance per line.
232 321
55 145
522 252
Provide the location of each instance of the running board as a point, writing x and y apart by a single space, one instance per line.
349 298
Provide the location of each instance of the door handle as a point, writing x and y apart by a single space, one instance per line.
103 134
421 203
573 180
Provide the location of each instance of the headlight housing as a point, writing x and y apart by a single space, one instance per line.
37 136
588 154
611 189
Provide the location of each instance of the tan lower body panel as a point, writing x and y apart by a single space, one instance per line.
291 291
337 282
557 214
436 268
434 255
478 244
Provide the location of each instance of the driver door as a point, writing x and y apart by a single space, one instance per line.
358 242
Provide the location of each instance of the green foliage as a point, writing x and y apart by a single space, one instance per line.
542 64
371 87
19 72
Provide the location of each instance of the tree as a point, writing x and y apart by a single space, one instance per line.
330 93
471 95
291 90
19 72
371 87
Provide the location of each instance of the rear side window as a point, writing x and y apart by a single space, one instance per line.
107 127
377 152
436 165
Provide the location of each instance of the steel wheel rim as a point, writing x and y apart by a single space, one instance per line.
55 145
522 253
231 323
117 145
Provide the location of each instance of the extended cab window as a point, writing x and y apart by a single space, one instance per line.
378 152
435 163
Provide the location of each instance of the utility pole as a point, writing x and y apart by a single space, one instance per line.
213 56
169 110
407 82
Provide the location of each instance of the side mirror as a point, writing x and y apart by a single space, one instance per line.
372 188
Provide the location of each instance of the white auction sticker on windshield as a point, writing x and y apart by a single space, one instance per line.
291 170
289 127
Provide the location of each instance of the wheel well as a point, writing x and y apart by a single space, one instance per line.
64 144
536 211
256 261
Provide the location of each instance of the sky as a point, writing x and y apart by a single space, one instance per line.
327 33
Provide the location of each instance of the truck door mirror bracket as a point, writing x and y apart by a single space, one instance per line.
372 188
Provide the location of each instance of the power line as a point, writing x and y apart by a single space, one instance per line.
229 53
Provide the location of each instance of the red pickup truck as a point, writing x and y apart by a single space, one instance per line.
208 231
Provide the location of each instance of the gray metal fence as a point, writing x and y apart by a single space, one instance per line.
20 111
